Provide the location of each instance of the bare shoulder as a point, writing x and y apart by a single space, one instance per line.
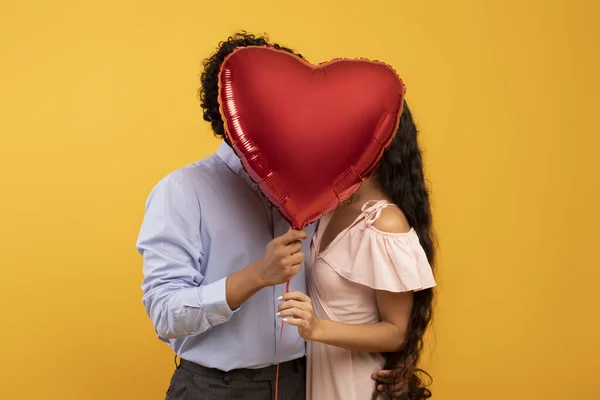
392 220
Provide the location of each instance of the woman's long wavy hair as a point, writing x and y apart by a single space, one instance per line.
400 173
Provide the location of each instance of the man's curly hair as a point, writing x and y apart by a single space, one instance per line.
209 91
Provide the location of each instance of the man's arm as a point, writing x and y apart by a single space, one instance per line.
281 261
169 241
175 297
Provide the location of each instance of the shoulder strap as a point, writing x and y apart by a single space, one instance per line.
371 210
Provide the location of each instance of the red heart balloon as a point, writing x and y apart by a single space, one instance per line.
308 135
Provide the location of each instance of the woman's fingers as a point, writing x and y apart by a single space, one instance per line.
300 323
302 305
299 296
295 313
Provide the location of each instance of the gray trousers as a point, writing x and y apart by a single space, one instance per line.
194 382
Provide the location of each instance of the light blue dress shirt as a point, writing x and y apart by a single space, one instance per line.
203 223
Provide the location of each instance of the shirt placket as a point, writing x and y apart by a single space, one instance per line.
275 288
278 228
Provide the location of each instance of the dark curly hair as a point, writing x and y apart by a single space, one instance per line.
400 173
209 89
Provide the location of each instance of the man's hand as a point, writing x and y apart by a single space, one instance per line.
384 378
282 259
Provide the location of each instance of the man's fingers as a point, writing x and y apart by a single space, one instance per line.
384 379
294 247
376 377
297 267
292 236
397 389
383 376
296 258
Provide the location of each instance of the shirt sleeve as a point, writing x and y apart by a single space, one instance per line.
175 296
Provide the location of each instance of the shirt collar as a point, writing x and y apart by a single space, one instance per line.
228 156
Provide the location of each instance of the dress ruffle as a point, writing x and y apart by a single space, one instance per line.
394 262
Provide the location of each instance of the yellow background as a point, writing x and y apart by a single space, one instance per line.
98 101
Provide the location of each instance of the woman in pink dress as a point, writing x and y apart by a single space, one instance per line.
370 283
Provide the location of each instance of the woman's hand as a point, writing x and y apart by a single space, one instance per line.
298 306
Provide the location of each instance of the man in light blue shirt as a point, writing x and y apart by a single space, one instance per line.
216 259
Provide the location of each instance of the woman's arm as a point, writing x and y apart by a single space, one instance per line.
384 336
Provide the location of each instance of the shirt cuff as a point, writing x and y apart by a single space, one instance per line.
214 302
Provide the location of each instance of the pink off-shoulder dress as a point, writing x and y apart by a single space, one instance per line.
342 281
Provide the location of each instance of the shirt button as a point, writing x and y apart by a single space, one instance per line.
222 318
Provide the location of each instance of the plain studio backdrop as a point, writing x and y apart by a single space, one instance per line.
98 101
